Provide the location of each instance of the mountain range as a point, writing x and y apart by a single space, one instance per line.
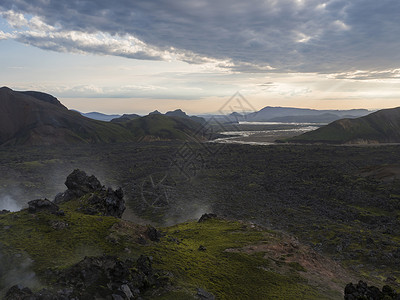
296 115
35 118
99 116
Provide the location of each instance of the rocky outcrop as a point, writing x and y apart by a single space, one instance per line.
204 295
38 205
362 291
206 217
96 198
104 277
153 234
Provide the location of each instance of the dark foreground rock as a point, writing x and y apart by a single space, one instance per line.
204 295
98 198
38 205
104 277
153 234
362 291
206 217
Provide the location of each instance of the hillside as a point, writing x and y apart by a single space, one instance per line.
35 118
77 246
380 127
157 126
124 118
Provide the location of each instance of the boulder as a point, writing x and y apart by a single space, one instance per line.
95 198
362 291
206 217
204 295
42 205
78 184
102 277
153 234
79 181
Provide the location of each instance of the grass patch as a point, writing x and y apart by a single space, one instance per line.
227 275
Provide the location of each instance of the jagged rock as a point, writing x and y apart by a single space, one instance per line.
41 205
18 292
206 217
363 291
99 200
202 248
107 203
82 184
204 295
64 197
78 184
4 211
104 277
153 234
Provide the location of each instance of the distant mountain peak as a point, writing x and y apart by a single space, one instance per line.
177 113
156 112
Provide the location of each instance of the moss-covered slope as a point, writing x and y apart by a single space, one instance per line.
210 255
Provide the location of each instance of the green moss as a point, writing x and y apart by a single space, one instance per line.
49 247
221 266
296 266
228 275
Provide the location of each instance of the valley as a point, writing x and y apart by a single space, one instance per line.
334 199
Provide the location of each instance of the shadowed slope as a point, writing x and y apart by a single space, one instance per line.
380 127
28 120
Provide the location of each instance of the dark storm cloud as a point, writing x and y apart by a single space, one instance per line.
288 35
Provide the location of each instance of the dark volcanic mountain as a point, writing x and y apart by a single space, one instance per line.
35 118
380 127
44 97
124 118
181 114
176 113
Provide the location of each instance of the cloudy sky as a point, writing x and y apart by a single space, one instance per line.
126 56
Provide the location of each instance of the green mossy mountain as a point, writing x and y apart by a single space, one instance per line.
382 126
161 127
35 118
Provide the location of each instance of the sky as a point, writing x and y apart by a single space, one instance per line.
126 56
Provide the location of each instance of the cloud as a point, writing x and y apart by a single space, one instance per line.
368 75
39 34
5 36
253 36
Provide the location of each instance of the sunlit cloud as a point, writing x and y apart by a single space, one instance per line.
330 36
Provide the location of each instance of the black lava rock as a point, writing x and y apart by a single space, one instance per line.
362 291
206 217
42 205
104 277
99 199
